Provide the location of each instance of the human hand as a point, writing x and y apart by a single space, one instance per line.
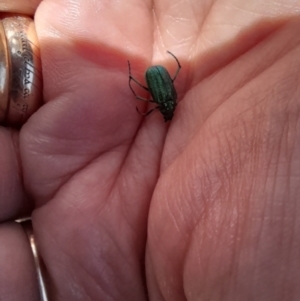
126 208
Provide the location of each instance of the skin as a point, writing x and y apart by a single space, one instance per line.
130 208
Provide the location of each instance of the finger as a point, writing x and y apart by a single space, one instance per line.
84 157
18 279
13 201
84 87
27 7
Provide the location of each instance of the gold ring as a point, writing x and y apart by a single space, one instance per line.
20 71
27 226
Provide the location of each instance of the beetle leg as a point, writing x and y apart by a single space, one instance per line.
139 97
179 66
144 99
136 96
148 113
132 78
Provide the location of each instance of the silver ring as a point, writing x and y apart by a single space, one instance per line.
27 226
20 70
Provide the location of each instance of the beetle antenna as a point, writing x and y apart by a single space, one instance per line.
179 66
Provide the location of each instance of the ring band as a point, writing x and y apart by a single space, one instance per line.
20 70
27 226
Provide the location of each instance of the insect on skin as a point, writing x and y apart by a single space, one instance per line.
161 87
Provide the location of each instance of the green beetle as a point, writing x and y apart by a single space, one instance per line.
161 87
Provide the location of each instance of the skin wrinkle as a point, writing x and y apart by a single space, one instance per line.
173 218
125 156
192 193
250 76
247 225
287 192
225 271
204 264
199 26
210 180
70 177
227 162
186 293
239 243
178 228
11 184
86 206
234 225
188 240
247 197
220 175
128 220
265 222
292 235
134 141
236 245
246 10
58 246
287 262
289 250
170 34
183 190
156 32
285 5
189 38
201 191
168 15
97 155
256 272
275 179
141 247
125 257
103 286
202 23
257 126
76 262
153 280
241 226
257 152
128 155
160 284
91 278
218 107
163 291
16 149
124 207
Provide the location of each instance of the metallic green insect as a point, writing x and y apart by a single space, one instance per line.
161 87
